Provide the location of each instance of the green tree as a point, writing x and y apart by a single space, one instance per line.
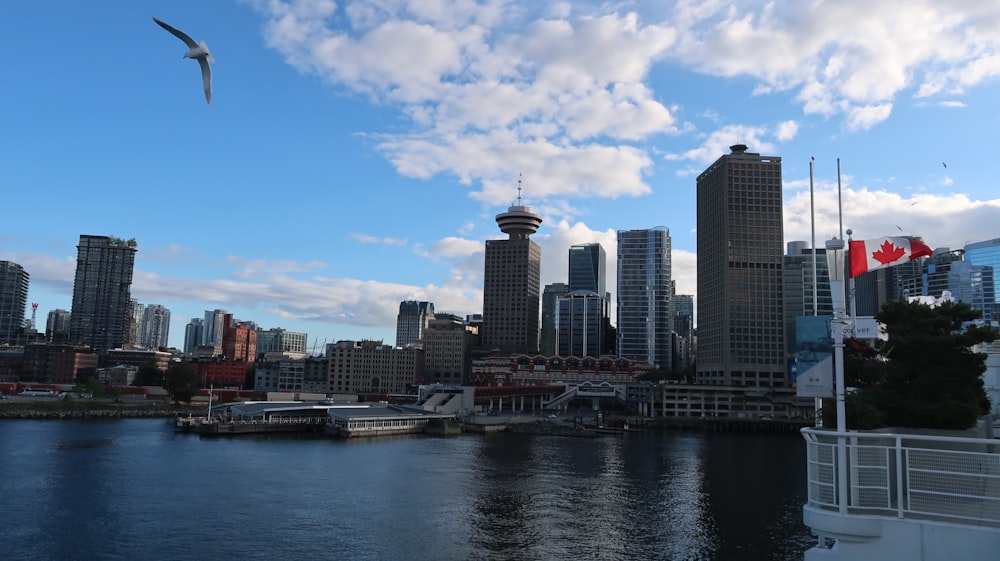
181 382
93 387
149 374
926 375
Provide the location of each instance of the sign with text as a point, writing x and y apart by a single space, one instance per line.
813 362
864 327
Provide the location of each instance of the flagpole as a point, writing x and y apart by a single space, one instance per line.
812 221
836 255
840 208
840 386
818 402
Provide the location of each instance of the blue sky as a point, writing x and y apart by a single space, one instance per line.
355 153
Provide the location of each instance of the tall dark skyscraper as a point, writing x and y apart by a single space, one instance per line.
512 283
587 263
580 324
550 299
645 287
13 299
741 327
102 287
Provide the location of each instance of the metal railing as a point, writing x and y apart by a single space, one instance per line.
951 479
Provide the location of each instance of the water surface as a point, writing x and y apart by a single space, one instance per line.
133 489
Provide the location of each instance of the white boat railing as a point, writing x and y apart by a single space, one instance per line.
949 479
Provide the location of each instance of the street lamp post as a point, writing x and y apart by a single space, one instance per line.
835 264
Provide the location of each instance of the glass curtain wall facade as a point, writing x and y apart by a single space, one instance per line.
644 291
580 321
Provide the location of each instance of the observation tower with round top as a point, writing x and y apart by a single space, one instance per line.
512 282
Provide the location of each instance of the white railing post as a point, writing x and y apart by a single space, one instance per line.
899 477
853 452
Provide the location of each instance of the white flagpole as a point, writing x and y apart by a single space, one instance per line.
838 324
840 208
812 221
818 402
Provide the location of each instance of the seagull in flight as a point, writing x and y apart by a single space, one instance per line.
945 164
196 51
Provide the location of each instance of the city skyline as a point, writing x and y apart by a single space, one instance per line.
300 198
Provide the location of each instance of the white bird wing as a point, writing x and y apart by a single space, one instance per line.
206 78
178 33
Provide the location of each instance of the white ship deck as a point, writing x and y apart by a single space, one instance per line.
877 496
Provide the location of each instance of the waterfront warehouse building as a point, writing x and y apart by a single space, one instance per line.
448 343
102 301
741 308
372 367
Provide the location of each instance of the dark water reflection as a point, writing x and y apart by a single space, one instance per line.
133 489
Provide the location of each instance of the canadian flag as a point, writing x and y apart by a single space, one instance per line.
868 255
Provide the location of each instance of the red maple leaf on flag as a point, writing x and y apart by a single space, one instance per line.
888 252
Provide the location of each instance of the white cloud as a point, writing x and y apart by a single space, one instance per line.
369 239
251 268
941 220
718 142
564 94
452 247
852 57
867 116
563 98
786 130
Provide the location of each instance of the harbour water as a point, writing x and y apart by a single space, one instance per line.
134 489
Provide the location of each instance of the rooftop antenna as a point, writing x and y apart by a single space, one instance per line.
519 175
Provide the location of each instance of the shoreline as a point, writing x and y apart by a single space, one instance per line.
94 410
